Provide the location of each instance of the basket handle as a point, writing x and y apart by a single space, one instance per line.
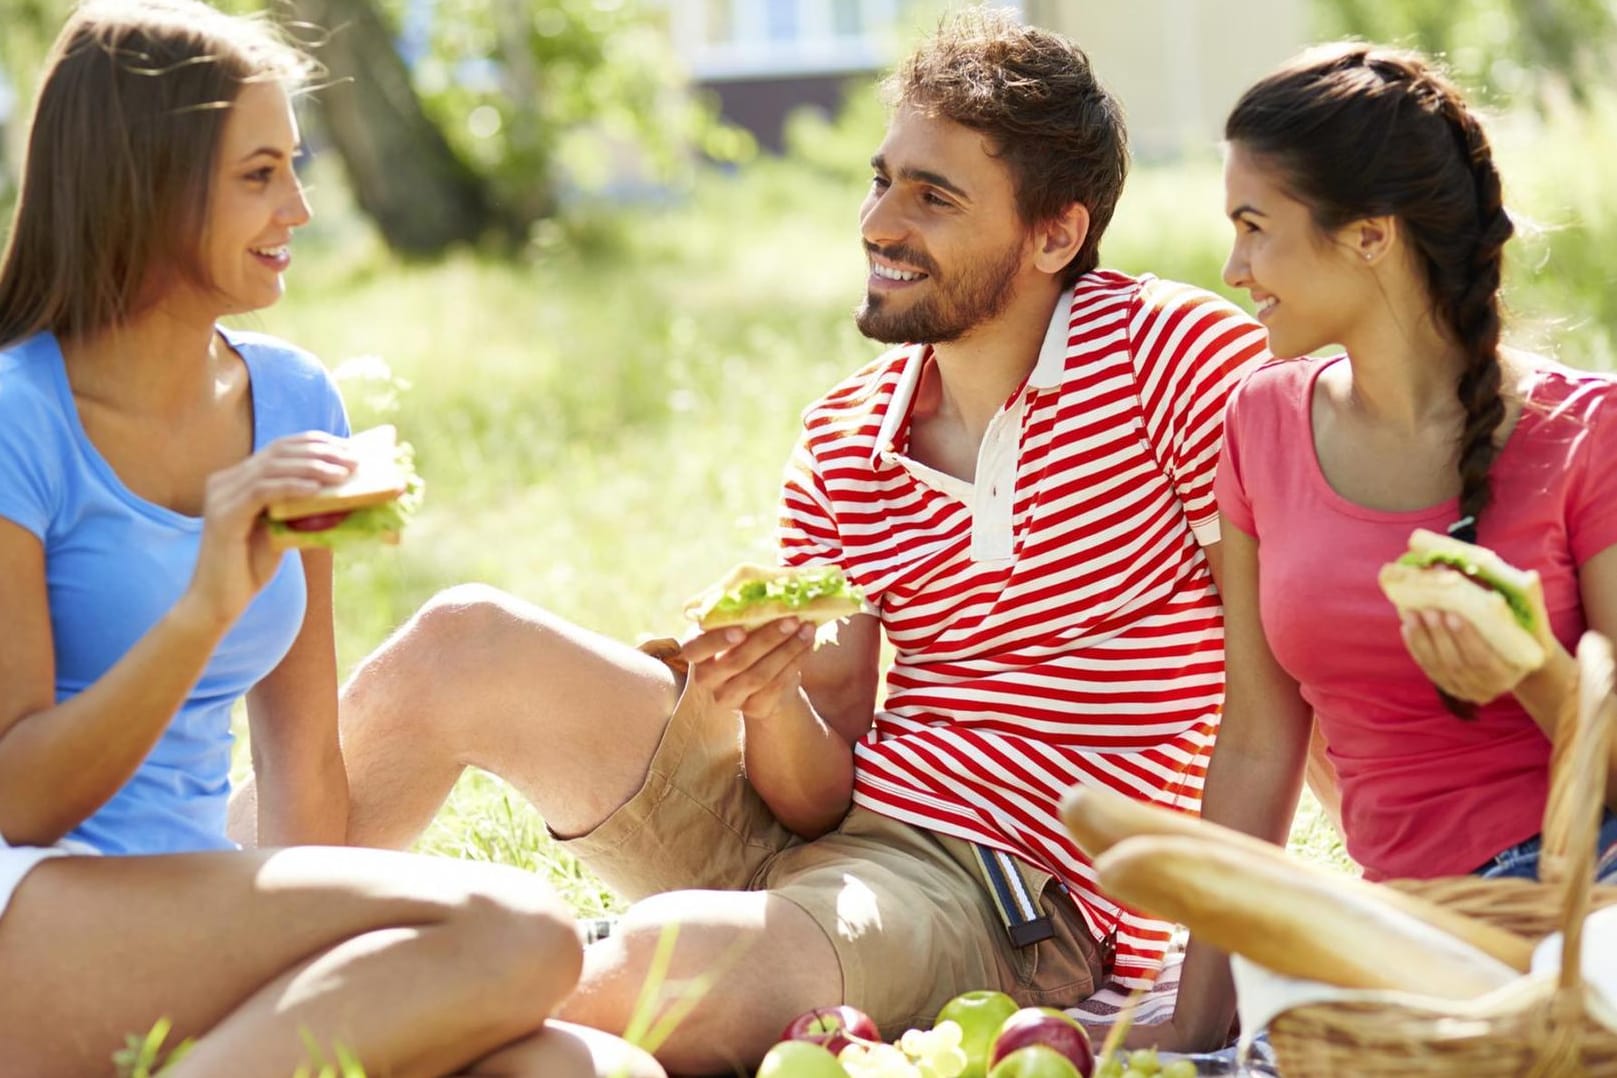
1577 796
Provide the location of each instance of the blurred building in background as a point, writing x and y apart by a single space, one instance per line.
1178 65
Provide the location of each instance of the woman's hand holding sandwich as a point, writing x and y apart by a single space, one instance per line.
236 558
1459 659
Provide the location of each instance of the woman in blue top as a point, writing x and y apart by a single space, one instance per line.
139 445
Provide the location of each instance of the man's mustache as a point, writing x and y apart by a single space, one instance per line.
905 255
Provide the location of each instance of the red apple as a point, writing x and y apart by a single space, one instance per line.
1048 1027
1034 1061
833 1028
979 1014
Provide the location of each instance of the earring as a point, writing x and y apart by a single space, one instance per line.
1368 255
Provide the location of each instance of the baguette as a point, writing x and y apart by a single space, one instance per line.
1294 922
1099 819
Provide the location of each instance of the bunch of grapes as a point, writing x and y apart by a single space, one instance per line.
931 1053
1142 1063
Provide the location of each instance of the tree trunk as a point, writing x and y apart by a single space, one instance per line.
404 174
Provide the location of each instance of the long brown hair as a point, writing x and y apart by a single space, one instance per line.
1361 131
120 158
1036 97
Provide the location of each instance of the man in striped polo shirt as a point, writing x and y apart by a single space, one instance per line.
1023 487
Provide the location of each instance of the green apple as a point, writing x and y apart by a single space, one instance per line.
800 1059
1034 1061
979 1014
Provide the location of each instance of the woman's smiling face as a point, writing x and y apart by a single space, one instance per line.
1305 284
255 201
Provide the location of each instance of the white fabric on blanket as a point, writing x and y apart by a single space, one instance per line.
1156 1005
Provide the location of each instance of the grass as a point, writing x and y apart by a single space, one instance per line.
602 425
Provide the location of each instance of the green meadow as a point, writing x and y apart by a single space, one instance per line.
601 424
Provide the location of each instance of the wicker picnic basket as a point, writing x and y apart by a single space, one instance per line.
1536 1028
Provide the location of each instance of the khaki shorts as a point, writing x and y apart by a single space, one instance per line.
906 910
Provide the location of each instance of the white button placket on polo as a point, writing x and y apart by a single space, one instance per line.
994 494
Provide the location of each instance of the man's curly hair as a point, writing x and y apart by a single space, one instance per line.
1036 98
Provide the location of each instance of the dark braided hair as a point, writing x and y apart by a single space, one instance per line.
1358 131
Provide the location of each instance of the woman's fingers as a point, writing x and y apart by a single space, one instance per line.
296 466
1456 657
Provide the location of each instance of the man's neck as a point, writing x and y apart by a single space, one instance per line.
978 373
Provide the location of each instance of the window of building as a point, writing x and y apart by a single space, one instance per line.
764 38
780 20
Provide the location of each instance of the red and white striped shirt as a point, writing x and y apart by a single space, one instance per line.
1054 621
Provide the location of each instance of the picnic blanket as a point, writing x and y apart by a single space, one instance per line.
1155 1006
1108 1004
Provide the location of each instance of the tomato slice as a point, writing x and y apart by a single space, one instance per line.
318 523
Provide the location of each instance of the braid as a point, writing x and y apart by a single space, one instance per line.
1472 307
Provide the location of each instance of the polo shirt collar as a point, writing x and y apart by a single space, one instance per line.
1047 374
1052 364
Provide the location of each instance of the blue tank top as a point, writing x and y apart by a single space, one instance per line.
115 564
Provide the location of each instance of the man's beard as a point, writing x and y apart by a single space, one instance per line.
955 307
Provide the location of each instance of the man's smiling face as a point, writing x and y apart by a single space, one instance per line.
946 245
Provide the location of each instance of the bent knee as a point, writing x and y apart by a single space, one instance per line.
523 939
464 641
477 626
469 612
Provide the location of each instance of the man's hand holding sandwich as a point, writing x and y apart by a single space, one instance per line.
801 708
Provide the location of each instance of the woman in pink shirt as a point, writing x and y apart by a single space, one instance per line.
1368 215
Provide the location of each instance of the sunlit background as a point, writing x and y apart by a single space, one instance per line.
594 256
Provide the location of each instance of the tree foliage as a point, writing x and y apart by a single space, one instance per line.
543 95
1519 49
465 120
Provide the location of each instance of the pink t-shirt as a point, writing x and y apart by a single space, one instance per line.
1423 793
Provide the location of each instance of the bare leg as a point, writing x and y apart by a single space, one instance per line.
418 966
766 961
478 677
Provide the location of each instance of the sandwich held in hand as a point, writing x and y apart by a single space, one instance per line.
1498 600
372 503
753 595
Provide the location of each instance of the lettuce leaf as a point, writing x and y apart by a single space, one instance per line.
1513 597
798 590
372 521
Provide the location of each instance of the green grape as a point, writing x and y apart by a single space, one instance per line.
1145 1061
937 1052
1179 1068
1132 1073
943 1063
1109 1067
890 1061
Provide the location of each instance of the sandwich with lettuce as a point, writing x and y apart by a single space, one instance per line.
754 595
373 503
1503 603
